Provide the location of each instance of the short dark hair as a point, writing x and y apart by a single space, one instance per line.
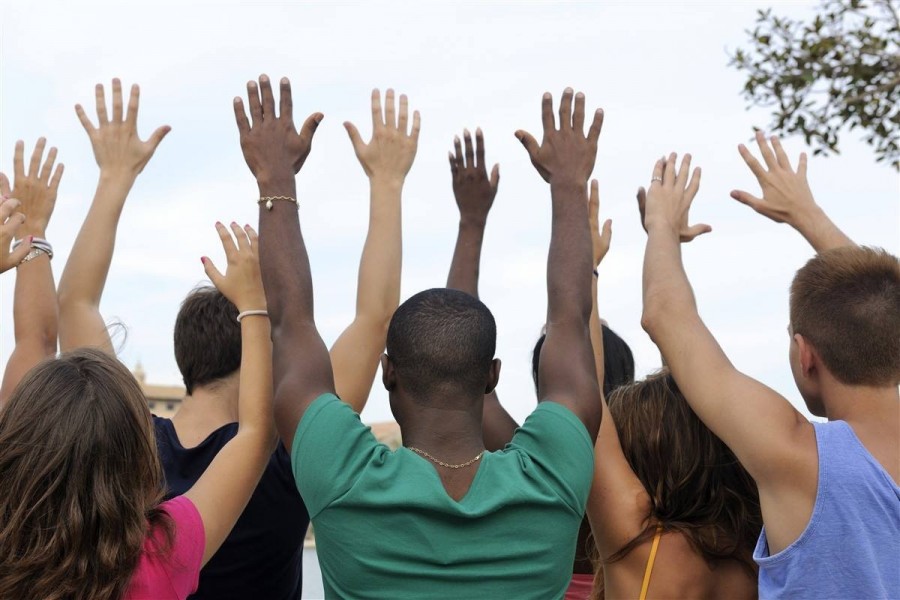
618 361
846 302
207 338
442 339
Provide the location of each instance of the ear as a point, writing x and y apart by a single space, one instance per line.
388 376
809 360
493 376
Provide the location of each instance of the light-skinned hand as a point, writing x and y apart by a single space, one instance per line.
668 202
36 190
390 153
10 222
601 238
242 282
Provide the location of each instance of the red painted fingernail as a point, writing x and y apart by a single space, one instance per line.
30 238
203 259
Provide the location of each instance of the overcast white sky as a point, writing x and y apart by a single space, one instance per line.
659 70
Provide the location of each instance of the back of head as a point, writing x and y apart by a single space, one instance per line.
846 303
695 483
618 361
81 479
442 340
207 338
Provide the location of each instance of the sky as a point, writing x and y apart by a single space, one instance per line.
658 69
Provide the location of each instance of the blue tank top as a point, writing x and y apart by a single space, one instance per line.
262 557
851 546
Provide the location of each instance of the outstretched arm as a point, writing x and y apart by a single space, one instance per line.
773 441
787 197
222 492
34 298
475 192
565 159
121 156
275 151
386 159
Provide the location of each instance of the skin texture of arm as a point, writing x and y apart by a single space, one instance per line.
275 151
565 159
34 299
222 492
475 192
121 156
386 159
773 441
787 197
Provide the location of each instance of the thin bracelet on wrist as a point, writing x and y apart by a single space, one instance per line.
252 313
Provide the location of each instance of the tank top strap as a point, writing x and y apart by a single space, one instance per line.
649 570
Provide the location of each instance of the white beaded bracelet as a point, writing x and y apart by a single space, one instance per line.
250 313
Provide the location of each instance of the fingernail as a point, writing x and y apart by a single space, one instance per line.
30 238
203 259
247 226
219 224
234 224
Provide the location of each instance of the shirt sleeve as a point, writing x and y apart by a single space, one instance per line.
331 450
560 448
190 541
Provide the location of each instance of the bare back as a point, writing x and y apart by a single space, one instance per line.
678 572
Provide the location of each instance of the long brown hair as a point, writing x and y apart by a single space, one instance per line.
81 480
696 485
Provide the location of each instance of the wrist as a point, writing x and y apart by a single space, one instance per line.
118 176
277 185
387 182
569 183
472 222
37 231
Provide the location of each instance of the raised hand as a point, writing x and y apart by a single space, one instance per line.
272 146
117 146
36 190
242 282
10 222
473 189
390 153
668 202
565 153
600 238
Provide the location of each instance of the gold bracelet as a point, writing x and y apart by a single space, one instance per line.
269 199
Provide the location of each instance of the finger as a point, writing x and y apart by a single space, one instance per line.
227 242
377 117
578 115
252 236
596 125
7 208
390 118
157 136
605 239
495 178
470 152
751 161
801 166
531 145
403 117
117 100
19 254
48 166
85 121
19 161
457 146
642 204
241 236
100 99
355 138
134 101
682 174
764 149
547 112
693 185
780 155
286 106
268 97
748 199
669 170
565 109
36 156
240 116
658 168
310 125
479 148
695 231
4 187
594 202
212 272
57 177
417 125
256 111
453 168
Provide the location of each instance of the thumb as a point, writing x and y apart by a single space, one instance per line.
4 185
157 136
355 138
16 256
531 145
606 231
212 272
695 231
310 125
495 177
748 199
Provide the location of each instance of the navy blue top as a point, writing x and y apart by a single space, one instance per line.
262 557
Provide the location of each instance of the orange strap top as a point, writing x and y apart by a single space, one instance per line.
649 570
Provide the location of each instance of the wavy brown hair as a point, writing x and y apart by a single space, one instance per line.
696 485
82 481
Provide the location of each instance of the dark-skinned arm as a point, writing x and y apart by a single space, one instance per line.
275 151
475 192
565 159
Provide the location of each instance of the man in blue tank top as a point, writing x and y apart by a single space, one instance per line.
828 491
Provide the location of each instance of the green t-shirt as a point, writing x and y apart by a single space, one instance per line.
386 528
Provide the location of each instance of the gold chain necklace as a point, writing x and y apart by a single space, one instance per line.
447 465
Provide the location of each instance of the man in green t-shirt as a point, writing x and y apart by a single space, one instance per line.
439 518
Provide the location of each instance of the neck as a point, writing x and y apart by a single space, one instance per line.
855 403
210 406
452 435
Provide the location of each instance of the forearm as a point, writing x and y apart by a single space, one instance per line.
596 330
255 392
378 288
568 297
465 267
820 231
667 293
